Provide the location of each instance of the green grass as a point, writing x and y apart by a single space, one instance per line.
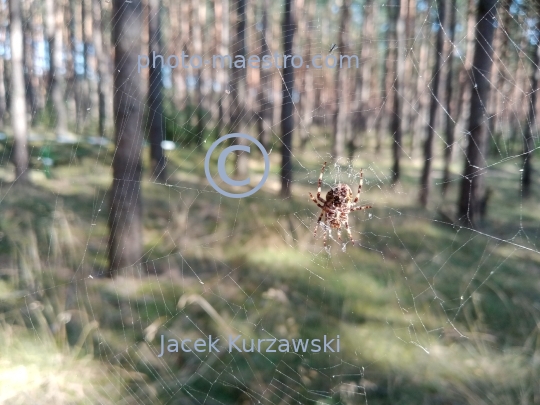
428 313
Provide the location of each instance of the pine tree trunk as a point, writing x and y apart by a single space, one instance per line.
449 126
341 110
89 87
531 129
264 120
198 19
221 13
3 40
55 23
363 117
397 28
239 107
156 127
277 84
421 106
104 78
471 191
498 69
176 46
387 78
464 97
19 123
425 180
408 11
125 220
287 107
28 60
75 41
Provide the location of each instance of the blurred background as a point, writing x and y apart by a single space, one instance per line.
111 235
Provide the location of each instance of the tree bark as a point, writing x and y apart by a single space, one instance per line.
104 79
176 46
450 125
198 10
19 123
89 86
472 187
408 14
28 60
238 105
464 97
125 219
287 107
422 101
3 41
341 97
56 80
499 70
156 125
363 114
77 49
425 180
221 13
531 130
264 119
397 28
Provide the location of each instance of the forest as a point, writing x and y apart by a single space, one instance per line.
382 194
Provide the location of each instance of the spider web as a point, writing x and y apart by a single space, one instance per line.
425 307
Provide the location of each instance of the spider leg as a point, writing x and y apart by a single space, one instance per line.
349 232
320 183
315 201
317 224
363 207
359 186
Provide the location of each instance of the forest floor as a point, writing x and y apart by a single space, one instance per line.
428 312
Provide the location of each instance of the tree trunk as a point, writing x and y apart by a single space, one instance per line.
307 92
3 40
341 98
125 219
464 97
76 43
408 12
221 13
104 79
450 125
55 23
277 84
425 180
422 100
198 10
386 82
19 123
471 192
176 46
28 60
264 119
287 107
238 104
531 130
397 28
499 70
156 125
363 115
89 87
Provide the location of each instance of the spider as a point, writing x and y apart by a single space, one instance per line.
338 205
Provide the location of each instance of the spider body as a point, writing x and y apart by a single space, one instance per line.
337 206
